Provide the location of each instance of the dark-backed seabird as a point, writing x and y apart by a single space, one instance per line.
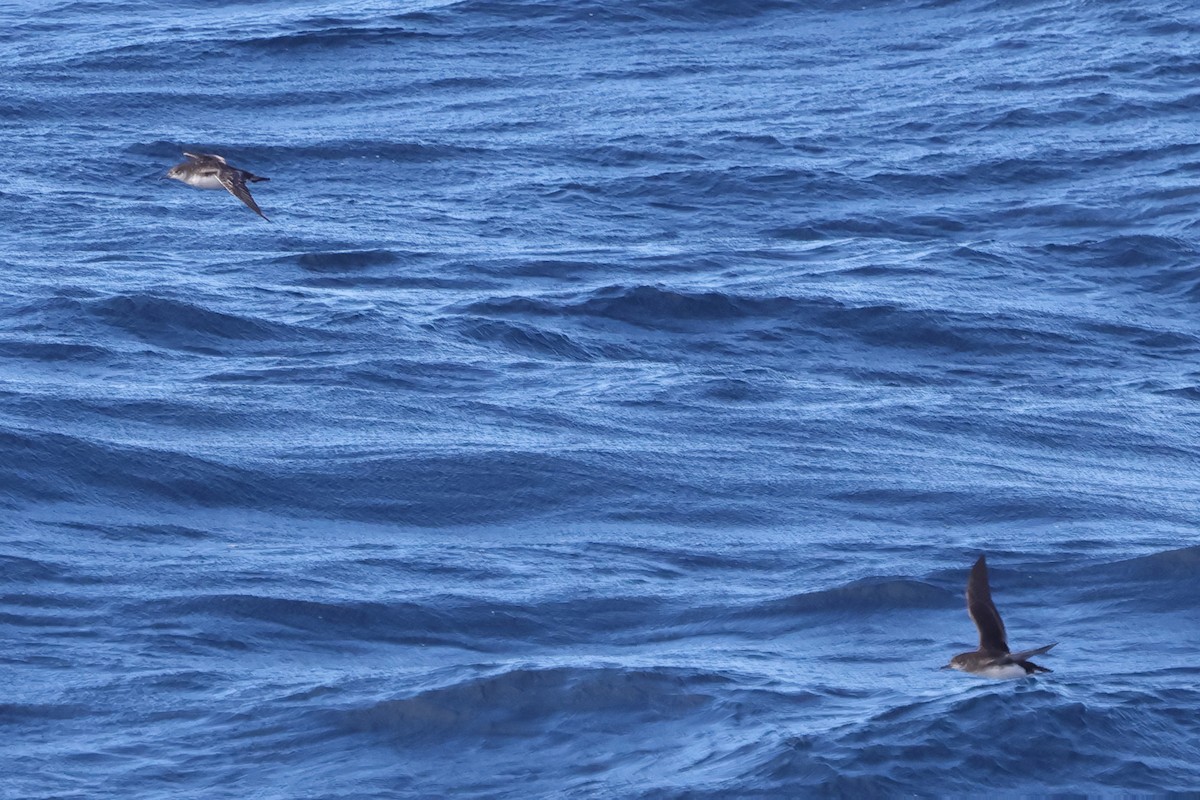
992 659
207 171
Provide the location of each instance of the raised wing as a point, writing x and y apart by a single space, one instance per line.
204 157
983 611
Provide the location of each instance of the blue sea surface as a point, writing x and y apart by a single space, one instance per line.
612 407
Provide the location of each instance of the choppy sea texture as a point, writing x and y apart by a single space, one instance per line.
613 406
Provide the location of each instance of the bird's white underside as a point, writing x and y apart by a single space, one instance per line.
204 182
1000 673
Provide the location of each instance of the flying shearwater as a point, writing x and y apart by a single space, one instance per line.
207 171
992 659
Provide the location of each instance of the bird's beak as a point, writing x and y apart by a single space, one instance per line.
945 666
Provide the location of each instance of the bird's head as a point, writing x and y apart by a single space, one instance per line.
959 662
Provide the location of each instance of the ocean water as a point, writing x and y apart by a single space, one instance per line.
613 405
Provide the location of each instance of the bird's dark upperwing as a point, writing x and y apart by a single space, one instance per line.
1037 651
983 611
233 181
